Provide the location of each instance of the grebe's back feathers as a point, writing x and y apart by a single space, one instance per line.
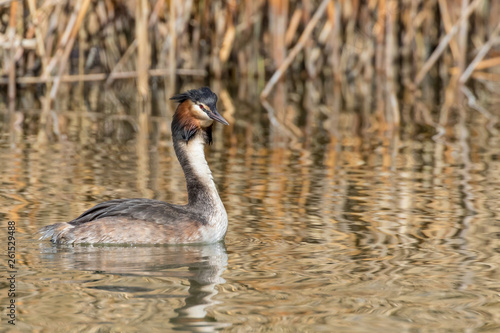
138 209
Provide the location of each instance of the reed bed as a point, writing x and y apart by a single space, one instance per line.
403 49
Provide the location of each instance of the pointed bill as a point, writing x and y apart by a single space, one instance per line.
217 117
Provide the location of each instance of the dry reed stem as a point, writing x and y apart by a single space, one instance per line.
248 17
479 75
295 50
60 49
462 38
142 15
447 26
38 34
278 15
328 26
390 53
130 50
449 100
25 43
444 42
172 63
69 46
104 76
228 40
12 62
390 47
153 18
472 102
292 26
133 46
488 63
481 54
335 40
379 35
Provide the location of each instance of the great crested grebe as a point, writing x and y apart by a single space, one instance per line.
141 221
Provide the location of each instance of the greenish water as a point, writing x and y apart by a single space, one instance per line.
342 230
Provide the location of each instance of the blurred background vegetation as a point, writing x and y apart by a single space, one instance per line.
391 62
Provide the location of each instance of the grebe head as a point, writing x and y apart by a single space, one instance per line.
200 104
197 111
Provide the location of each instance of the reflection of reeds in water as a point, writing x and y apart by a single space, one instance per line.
47 43
347 198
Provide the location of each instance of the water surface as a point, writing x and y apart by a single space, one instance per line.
339 231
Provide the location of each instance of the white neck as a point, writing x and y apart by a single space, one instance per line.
195 154
202 191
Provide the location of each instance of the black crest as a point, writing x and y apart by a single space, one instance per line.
202 95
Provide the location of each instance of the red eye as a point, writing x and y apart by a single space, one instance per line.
201 106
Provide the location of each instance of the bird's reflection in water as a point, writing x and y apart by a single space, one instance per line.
205 265
193 314
202 288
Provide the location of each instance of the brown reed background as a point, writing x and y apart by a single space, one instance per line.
404 49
